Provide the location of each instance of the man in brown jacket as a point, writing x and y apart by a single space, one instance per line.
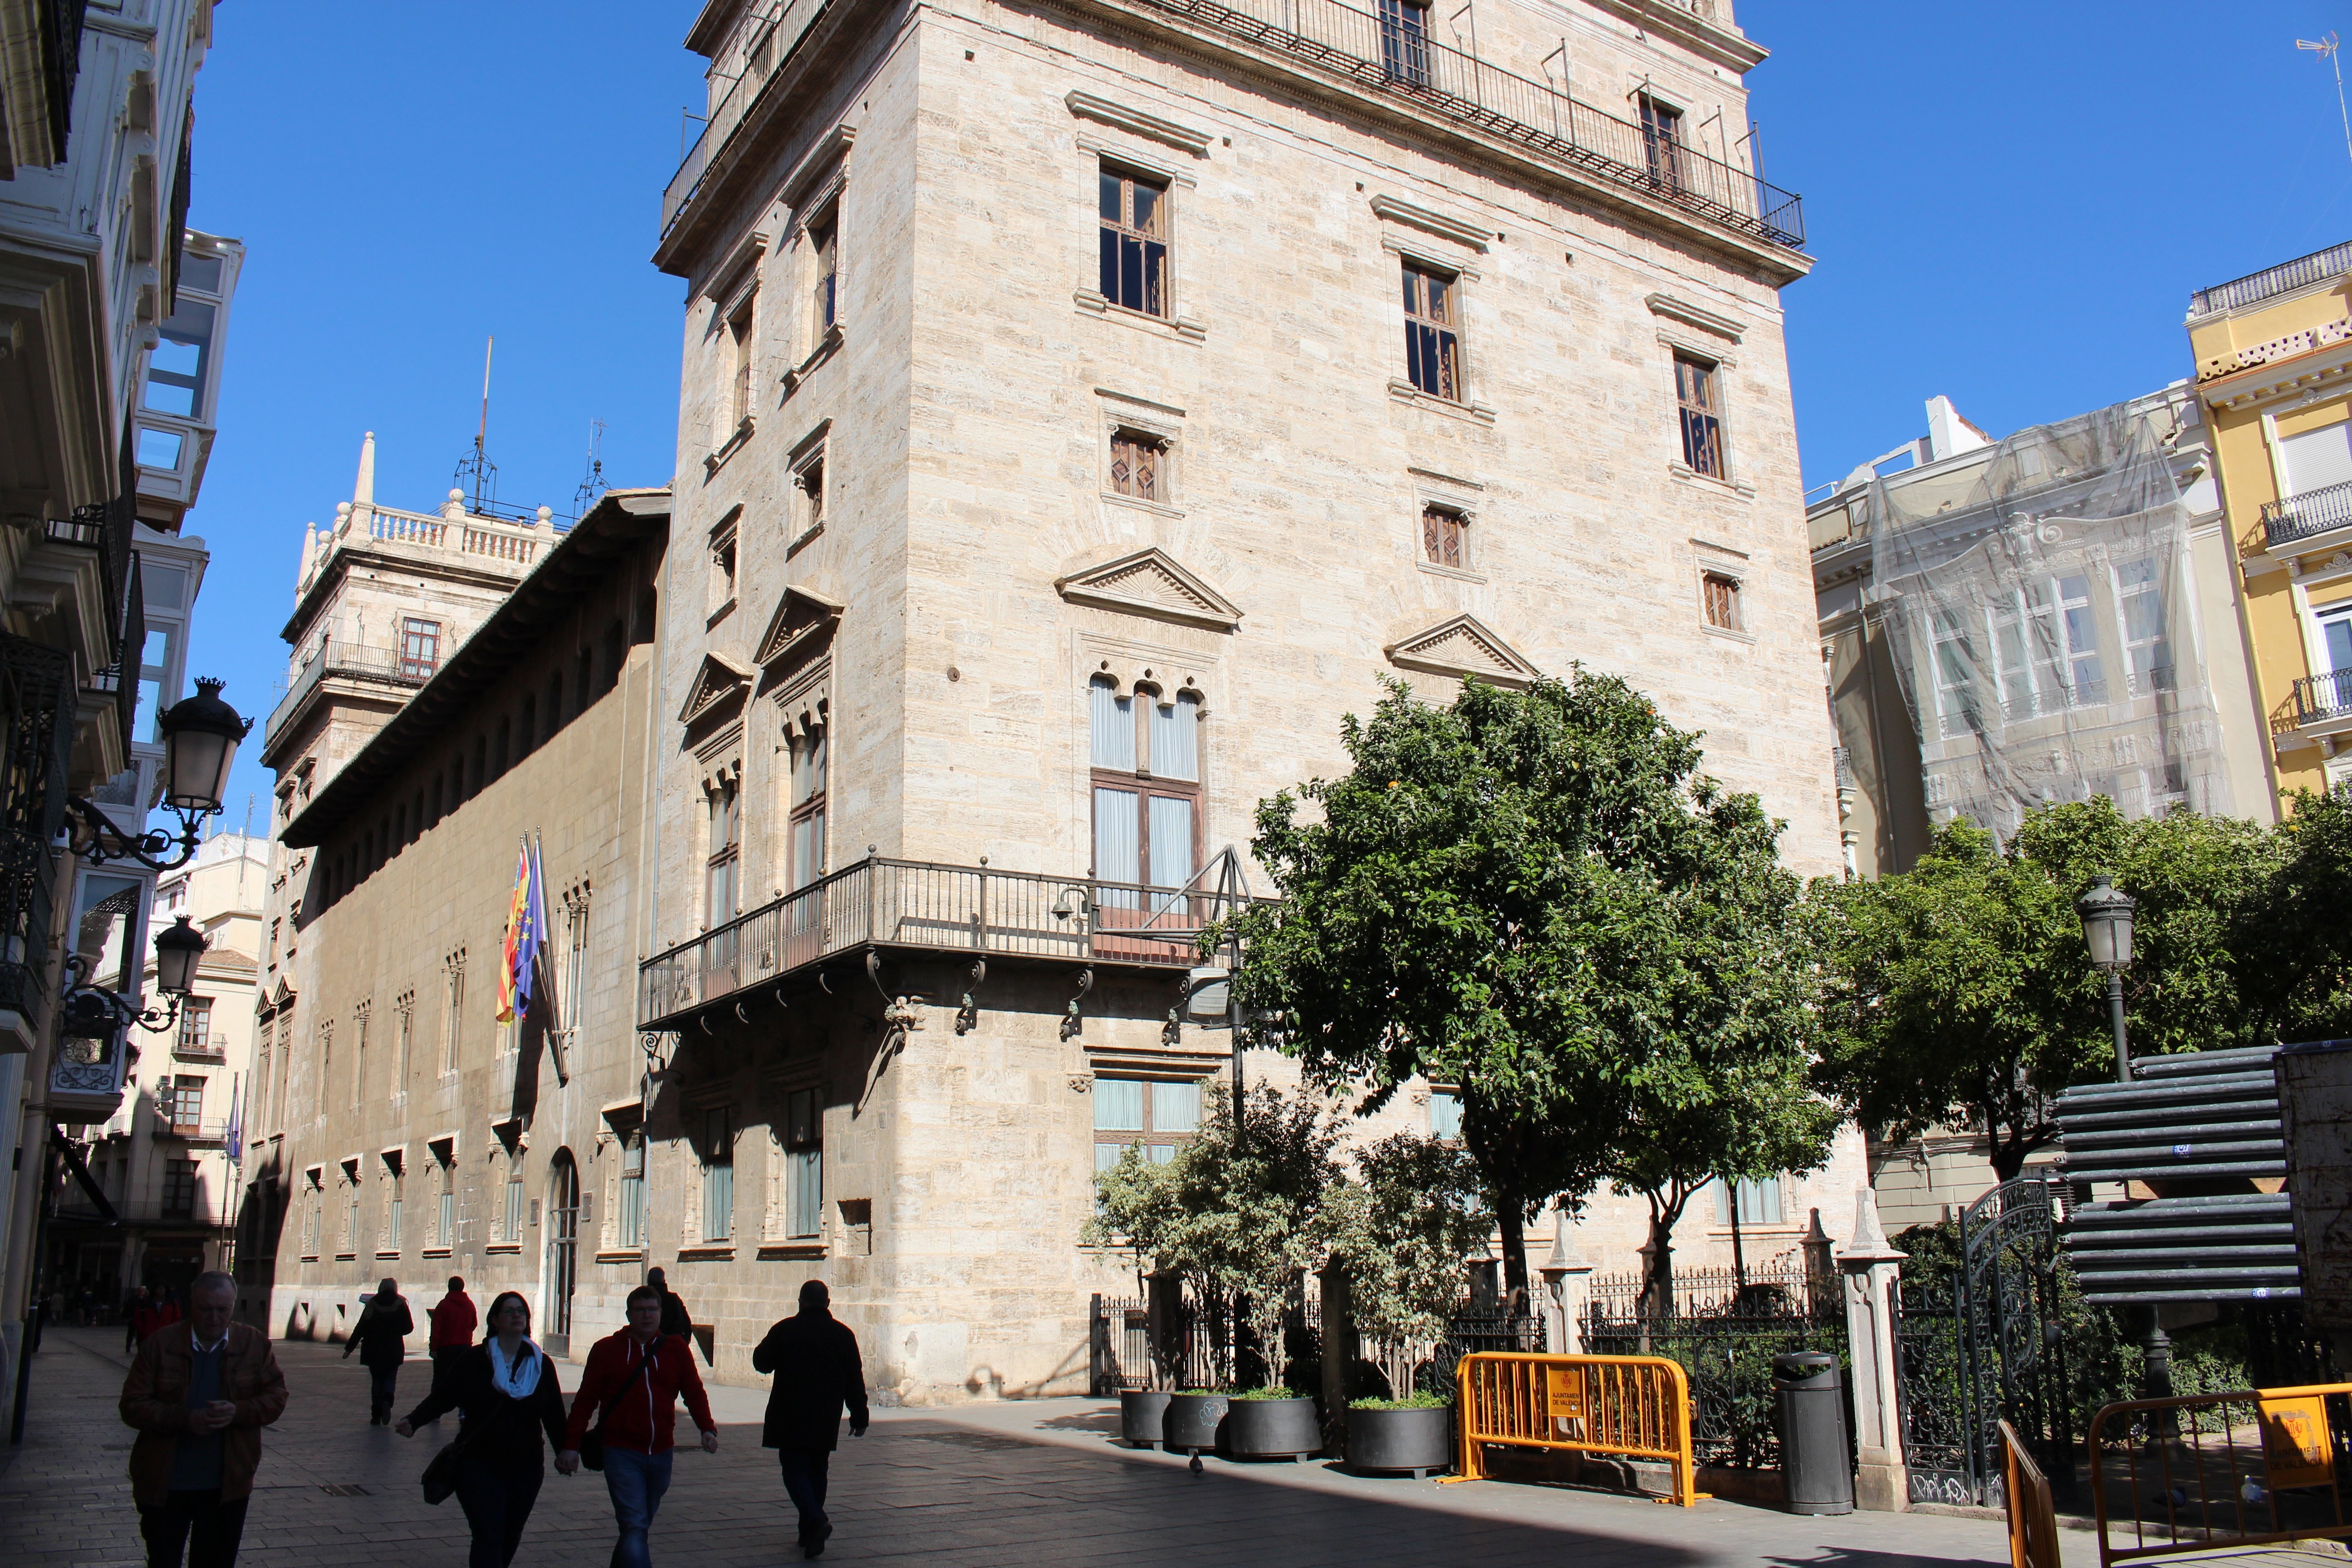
199 1393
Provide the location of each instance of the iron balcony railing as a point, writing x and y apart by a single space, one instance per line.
1393 55
335 657
2271 281
883 902
2318 697
2301 516
785 23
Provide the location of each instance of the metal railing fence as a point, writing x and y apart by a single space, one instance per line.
2327 696
2285 278
2301 516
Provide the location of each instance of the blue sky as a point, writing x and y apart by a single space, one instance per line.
2010 201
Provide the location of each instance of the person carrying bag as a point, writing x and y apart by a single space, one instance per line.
514 1406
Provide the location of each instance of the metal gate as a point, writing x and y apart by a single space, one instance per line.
1981 1343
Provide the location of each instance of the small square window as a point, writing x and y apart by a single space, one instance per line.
1135 465
1444 537
1719 597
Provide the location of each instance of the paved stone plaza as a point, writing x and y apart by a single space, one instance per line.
1035 1484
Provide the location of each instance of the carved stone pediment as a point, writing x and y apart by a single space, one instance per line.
1463 646
1150 582
800 626
720 682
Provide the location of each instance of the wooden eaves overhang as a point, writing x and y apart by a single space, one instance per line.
617 524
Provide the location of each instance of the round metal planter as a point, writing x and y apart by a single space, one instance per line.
1273 1429
1391 1442
1191 1423
1142 1413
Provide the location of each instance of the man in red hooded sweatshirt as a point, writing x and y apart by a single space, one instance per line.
631 1384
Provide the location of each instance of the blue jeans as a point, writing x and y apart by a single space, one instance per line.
637 1482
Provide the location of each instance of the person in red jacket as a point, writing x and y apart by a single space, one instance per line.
631 1384
452 1334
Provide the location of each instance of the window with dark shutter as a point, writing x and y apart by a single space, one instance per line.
1135 466
1444 537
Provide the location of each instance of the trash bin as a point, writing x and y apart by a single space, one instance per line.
1816 1464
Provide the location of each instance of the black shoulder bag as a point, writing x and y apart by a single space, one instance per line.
591 1443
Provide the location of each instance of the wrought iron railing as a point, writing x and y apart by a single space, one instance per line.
2301 516
2327 696
2286 276
1397 59
788 23
335 657
916 903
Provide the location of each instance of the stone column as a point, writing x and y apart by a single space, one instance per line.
1871 1266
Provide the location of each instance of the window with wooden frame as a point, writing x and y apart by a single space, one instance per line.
184 1103
1135 463
514 1201
1719 598
825 255
1134 241
723 861
718 1174
631 1233
1405 41
741 345
1433 339
196 1025
1702 423
1662 142
1145 765
1445 1115
1161 1117
804 1165
179 1189
420 647
1760 1202
806 796
1445 537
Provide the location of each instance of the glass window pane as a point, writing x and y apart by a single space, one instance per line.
1146 209
1109 280
169 396
1175 1108
1444 1114
1172 841
1114 727
1118 1105
158 448
163 587
1176 738
1107 1155
1110 197
2339 644
1160 1153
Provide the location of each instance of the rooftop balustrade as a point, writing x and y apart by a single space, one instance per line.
1392 55
2273 281
961 910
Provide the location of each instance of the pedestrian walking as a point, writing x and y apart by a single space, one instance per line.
152 1312
675 1320
198 1394
815 1358
629 1391
453 1333
505 1387
140 1304
380 1336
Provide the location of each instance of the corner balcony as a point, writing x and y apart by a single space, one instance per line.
337 659
2323 703
1390 57
961 911
2299 521
209 1133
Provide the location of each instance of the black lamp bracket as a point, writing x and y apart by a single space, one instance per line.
97 838
153 1020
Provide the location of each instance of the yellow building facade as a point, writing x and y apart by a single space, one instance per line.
2273 363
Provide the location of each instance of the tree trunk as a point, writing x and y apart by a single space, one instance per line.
1511 1216
1658 1279
2008 1154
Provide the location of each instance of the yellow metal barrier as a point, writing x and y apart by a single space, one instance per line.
2033 1513
2213 1470
1633 1407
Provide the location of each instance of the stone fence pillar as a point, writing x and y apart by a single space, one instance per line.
1568 1281
1871 1267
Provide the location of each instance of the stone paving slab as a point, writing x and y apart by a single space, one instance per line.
1033 1484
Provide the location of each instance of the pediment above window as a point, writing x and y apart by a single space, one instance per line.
720 683
1150 582
1462 646
800 626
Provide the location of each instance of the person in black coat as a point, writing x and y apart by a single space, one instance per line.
507 1389
815 1358
381 1337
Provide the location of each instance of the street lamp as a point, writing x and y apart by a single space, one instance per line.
200 739
2107 927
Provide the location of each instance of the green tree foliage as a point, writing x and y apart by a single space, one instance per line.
1961 993
1240 1208
1399 1235
1536 898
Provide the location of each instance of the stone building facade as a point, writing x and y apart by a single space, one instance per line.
1082 407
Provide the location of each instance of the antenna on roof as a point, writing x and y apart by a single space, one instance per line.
475 472
2330 49
593 484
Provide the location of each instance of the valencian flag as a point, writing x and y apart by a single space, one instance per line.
236 1121
526 934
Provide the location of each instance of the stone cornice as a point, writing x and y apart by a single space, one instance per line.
1138 123
1430 222
1697 316
2308 371
1725 47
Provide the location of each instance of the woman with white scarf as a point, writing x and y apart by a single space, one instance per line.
506 1392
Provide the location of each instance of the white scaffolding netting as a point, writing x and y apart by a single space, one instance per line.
2043 627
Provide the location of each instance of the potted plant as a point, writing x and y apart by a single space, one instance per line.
1195 1423
1398 1237
1273 1422
1135 1211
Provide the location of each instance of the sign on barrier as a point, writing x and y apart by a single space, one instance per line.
2213 1470
1626 1406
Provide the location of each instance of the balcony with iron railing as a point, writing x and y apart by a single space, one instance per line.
2302 517
2273 281
1400 61
962 910
2323 699
338 659
209 1048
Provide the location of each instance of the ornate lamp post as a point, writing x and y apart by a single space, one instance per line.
200 739
2107 914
